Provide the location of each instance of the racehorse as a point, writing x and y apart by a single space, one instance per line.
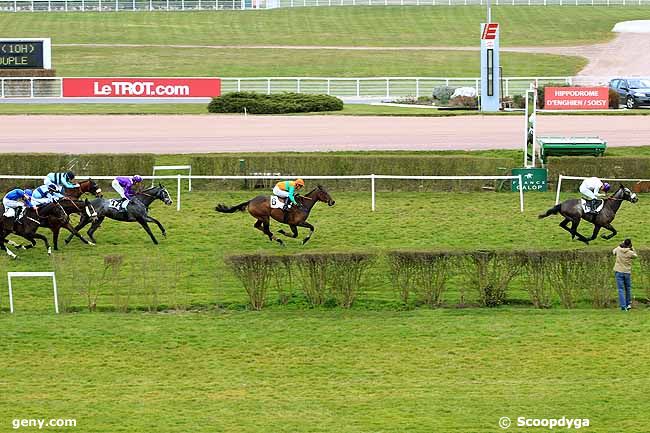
29 223
70 207
85 186
260 208
136 211
573 212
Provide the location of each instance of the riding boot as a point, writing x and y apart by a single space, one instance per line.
593 205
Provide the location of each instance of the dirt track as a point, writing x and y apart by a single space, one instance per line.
188 134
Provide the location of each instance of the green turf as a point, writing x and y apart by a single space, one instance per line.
298 63
187 268
357 26
310 371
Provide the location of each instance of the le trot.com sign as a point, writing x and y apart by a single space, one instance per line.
141 87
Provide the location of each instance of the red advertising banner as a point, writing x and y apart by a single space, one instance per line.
576 98
141 87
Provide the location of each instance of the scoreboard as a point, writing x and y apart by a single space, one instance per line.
25 53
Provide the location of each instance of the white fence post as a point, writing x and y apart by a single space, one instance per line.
372 190
268 86
178 193
521 194
557 194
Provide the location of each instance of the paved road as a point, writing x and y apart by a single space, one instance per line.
188 134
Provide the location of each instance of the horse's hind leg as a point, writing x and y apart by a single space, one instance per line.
575 233
6 249
611 229
267 230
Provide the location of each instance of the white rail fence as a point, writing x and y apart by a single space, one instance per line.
371 177
198 5
562 177
388 87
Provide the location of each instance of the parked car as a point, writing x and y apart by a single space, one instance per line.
632 92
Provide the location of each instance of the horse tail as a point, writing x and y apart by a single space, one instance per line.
225 209
552 211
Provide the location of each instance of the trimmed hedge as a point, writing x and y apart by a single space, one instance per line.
566 278
97 164
328 164
604 167
281 103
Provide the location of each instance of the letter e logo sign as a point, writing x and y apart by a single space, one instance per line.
490 31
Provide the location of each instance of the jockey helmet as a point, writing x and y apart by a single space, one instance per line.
137 178
69 175
52 188
606 187
300 182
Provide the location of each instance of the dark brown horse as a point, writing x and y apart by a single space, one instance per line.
572 212
86 186
29 224
260 208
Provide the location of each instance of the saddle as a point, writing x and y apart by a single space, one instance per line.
587 207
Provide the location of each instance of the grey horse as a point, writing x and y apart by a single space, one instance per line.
572 212
136 211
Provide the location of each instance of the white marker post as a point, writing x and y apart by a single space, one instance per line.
11 275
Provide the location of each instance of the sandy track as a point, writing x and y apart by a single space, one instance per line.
189 134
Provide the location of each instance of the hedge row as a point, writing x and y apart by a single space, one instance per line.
549 278
340 164
96 164
280 103
604 167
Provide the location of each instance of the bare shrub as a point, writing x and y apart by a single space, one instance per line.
490 274
255 273
534 266
345 271
313 272
422 274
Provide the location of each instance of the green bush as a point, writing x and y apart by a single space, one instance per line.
280 103
442 94
519 101
255 271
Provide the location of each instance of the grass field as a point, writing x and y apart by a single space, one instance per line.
342 26
186 270
190 62
326 371
318 27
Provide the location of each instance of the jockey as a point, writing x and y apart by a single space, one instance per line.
287 189
124 187
64 180
590 188
46 194
16 199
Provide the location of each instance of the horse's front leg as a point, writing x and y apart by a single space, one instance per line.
311 231
611 229
82 223
594 235
294 232
151 219
146 228
32 238
74 232
93 229
574 229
